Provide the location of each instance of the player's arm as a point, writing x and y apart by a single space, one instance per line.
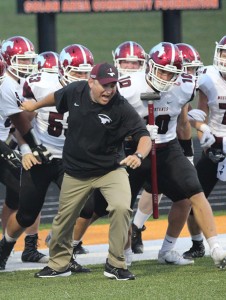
22 122
183 124
203 107
204 133
28 159
184 133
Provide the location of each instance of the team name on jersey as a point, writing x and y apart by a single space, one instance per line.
161 108
221 97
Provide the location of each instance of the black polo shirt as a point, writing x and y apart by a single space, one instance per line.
95 135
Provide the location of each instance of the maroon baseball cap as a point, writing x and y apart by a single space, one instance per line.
105 73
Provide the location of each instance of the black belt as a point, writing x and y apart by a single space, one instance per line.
162 145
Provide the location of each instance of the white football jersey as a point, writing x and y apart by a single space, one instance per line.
5 125
50 126
213 86
130 87
167 109
10 99
10 96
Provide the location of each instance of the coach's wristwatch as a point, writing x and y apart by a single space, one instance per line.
140 156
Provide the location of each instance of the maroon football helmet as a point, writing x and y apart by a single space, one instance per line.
19 55
75 58
191 59
164 57
48 62
218 61
129 51
2 68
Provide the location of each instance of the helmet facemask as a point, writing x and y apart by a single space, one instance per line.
21 70
124 71
219 62
68 71
158 83
193 68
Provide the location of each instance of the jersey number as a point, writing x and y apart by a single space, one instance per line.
161 121
223 106
55 127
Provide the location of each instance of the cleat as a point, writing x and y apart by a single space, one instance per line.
222 264
30 253
5 251
219 257
137 244
197 250
79 249
117 273
47 272
128 257
173 258
74 267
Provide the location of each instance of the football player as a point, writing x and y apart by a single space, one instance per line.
19 55
48 61
129 57
191 65
176 176
211 166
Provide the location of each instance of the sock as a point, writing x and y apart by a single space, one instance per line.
213 243
32 235
127 251
9 239
197 238
75 243
168 243
140 218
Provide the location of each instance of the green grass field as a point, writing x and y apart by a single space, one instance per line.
160 282
101 33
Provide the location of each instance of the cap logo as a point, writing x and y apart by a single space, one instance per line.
111 73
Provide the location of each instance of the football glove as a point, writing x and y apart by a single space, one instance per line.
39 151
153 130
12 157
216 155
42 154
207 139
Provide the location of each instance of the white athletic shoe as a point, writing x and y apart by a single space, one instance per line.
128 256
218 255
174 258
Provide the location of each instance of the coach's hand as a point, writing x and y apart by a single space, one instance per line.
131 161
29 105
